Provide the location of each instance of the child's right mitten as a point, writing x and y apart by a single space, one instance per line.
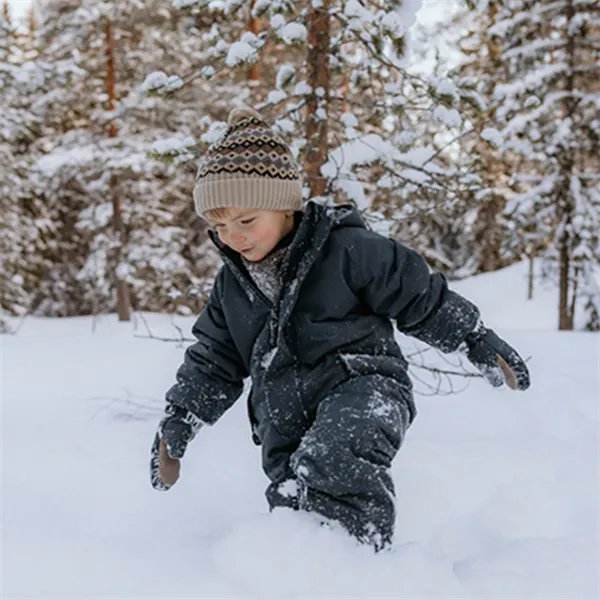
174 433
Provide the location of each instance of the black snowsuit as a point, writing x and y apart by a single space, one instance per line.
331 398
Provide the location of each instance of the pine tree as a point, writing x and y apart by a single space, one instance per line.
339 95
21 213
119 216
549 107
482 68
11 290
434 211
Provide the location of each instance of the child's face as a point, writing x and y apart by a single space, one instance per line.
252 233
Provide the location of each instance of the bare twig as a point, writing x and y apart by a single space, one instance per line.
180 340
130 408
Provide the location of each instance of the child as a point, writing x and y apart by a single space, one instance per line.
303 305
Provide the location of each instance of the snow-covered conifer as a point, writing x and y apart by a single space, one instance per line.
99 130
549 110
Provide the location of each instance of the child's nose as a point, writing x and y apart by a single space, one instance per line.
237 237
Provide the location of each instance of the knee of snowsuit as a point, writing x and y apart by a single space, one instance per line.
341 467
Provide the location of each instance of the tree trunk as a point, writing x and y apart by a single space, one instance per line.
346 91
565 201
123 302
575 285
530 278
254 27
316 153
490 238
564 319
6 12
32 22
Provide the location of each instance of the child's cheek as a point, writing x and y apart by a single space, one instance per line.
257 234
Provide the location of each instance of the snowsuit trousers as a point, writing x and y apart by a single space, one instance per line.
342 464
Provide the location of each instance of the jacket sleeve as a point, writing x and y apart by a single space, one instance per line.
211 377
396 282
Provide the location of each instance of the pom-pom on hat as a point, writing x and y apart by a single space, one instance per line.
249 167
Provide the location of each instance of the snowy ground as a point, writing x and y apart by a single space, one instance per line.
497 491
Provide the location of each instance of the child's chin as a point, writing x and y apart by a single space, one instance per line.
254 256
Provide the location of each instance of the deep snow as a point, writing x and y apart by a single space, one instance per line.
498 491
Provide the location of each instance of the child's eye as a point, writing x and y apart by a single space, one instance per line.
247 221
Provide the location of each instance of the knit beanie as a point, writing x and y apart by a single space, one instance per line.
249 167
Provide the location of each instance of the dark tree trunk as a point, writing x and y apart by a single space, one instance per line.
316 153
565 201
254 26
123 301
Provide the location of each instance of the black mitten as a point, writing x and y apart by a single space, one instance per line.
173 434
497 361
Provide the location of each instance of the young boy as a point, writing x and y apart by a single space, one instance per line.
303 305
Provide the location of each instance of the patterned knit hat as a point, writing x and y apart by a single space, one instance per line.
249 167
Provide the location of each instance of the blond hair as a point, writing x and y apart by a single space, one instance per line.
218 214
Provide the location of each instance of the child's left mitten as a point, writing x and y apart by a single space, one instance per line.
498 362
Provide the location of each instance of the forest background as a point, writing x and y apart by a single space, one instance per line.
472 136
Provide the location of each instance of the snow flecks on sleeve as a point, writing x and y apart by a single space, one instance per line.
267 359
